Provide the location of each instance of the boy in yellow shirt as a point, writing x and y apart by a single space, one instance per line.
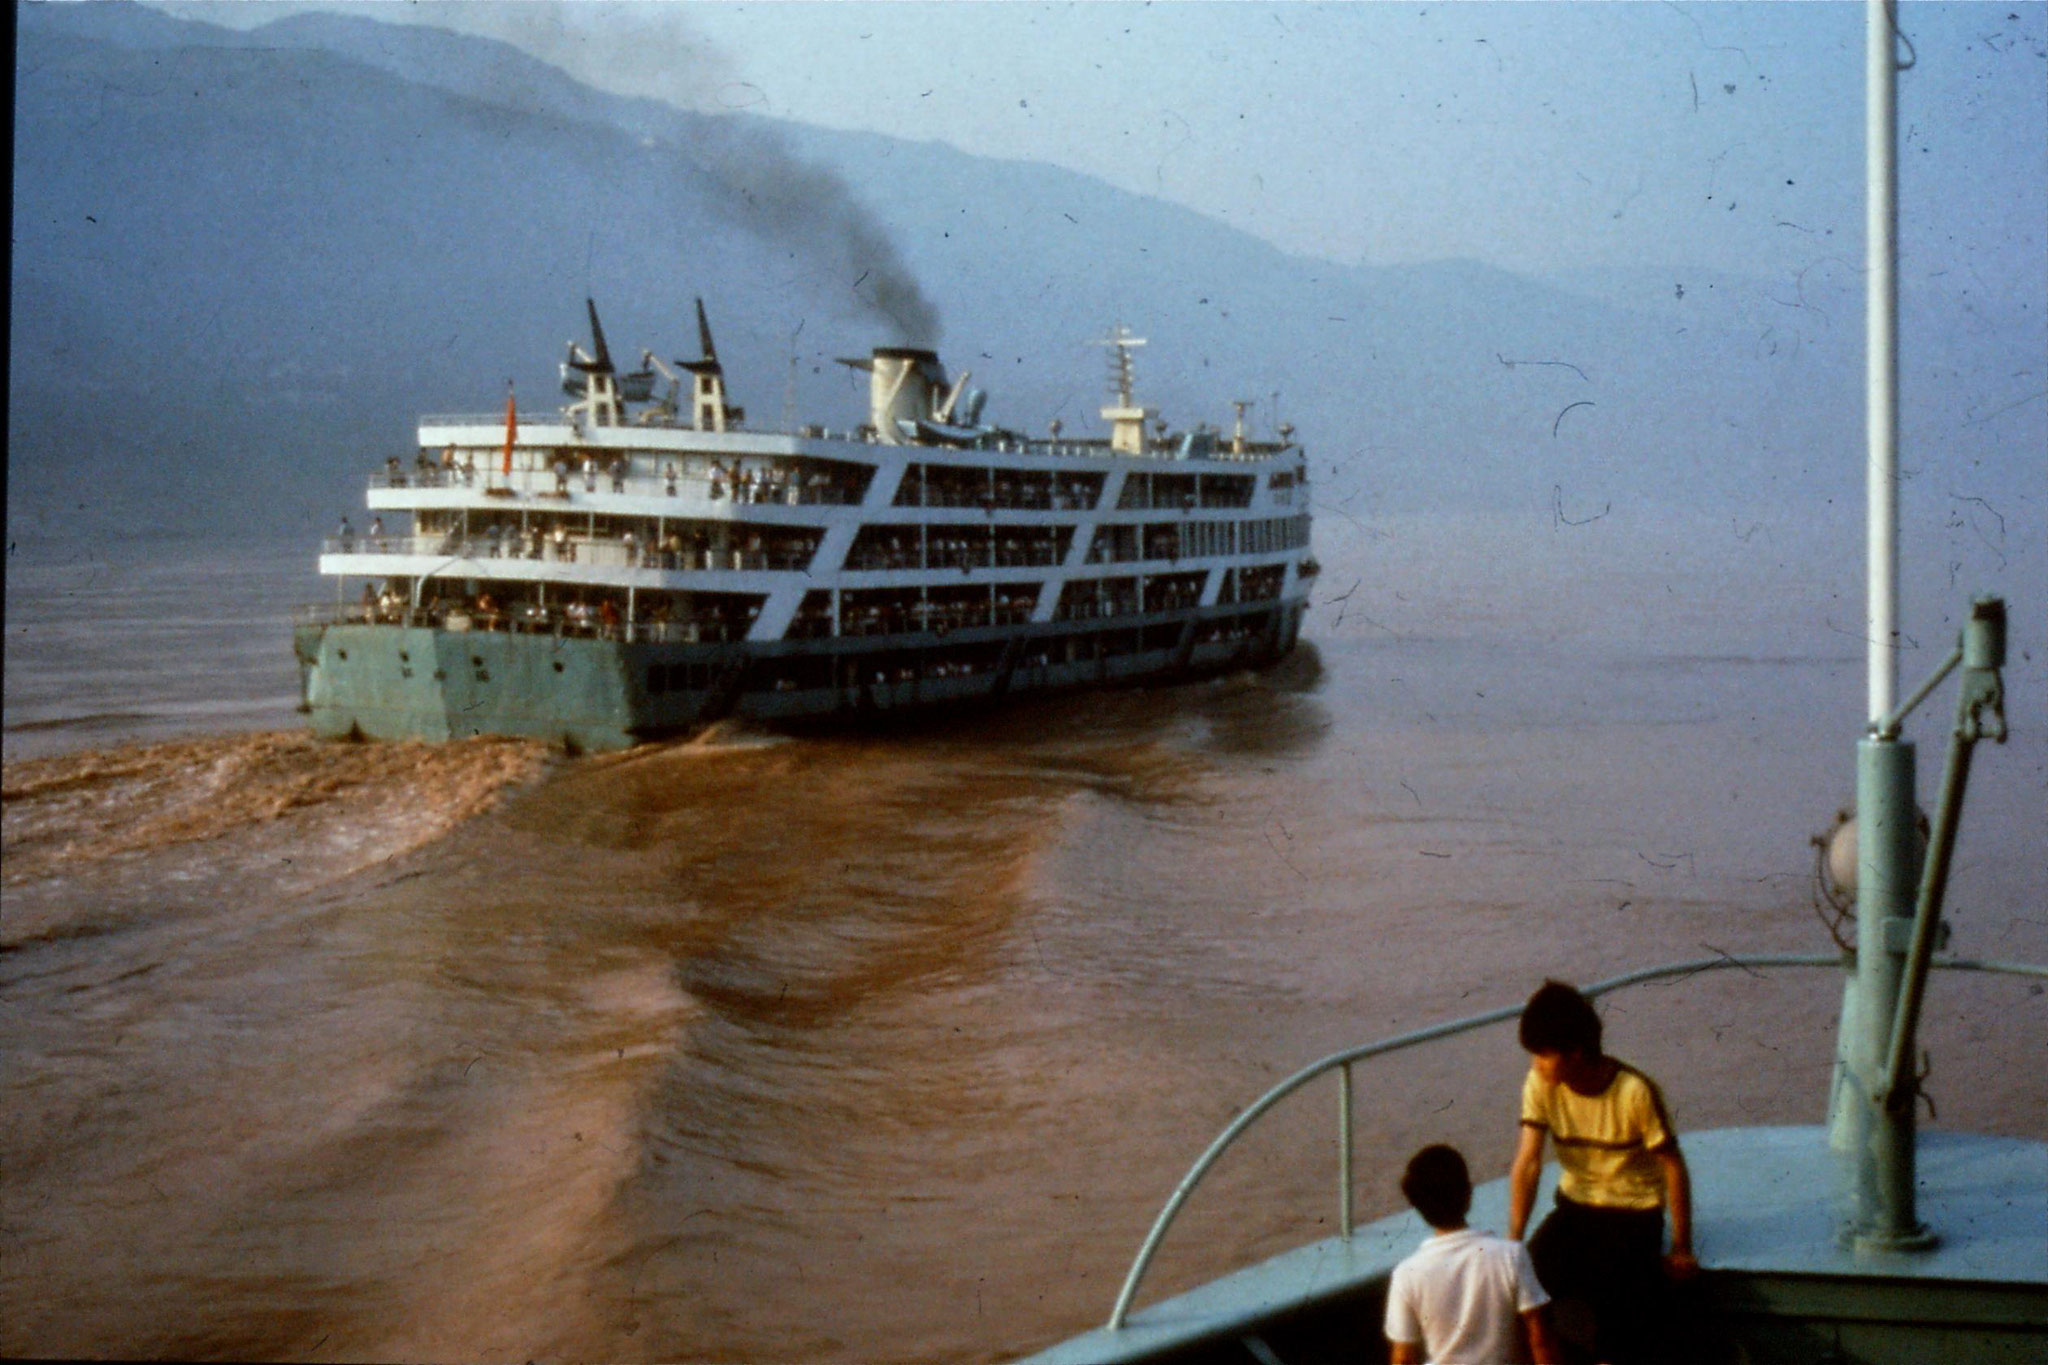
1619 1171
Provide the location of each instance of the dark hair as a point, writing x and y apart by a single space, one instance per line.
1559 1019
1438 1185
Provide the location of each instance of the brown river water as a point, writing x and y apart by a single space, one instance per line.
889 1046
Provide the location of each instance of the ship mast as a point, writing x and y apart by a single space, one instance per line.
1879 1134
1125 416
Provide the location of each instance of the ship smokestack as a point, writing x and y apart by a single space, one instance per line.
905 384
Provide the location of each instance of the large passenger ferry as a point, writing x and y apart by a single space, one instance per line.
644 562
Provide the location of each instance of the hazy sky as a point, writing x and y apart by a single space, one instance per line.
1539 137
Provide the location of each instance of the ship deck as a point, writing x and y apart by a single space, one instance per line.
1777 1277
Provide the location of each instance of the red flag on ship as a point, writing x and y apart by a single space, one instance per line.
511 428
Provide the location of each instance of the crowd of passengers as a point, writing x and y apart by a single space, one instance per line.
895 618
674 550
1160 595
959 489
739 481
947 552
598 615
1092 607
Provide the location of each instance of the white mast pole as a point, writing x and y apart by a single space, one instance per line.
1878 1132
1881 357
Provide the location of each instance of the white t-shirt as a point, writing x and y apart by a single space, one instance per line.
1459 1294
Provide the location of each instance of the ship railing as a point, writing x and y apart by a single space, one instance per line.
900 562
529 432
383 544
1340 1065
926 617
530 429
523 619
691 485
910 496
599 552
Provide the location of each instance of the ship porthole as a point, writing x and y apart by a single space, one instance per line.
341 653
558 665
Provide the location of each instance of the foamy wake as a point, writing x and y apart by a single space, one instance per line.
335 807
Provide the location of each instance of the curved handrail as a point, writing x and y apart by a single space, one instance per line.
1343 1060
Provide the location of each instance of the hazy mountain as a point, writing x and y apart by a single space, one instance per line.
244 264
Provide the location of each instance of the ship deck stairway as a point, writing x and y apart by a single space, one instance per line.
1778 1283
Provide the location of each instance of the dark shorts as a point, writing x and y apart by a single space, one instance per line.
1606 1265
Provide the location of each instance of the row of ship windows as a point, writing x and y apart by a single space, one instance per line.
885 667
609 613
684 545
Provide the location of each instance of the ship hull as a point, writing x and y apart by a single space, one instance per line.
585 693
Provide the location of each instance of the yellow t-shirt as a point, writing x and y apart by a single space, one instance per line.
1605 1142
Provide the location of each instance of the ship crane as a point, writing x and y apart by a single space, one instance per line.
664 409
709 410
593 379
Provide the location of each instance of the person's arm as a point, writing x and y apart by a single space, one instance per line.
1678 1200
1543 1349
1400 1325
1522 1178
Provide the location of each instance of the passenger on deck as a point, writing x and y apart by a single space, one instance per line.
1464 1295
668 475
590 473
561 475
618 473
347 535
1600 1252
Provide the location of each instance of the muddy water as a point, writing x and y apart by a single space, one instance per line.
889 1046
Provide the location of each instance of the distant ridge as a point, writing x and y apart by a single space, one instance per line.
239 279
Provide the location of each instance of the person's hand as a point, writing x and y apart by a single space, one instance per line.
1681 1265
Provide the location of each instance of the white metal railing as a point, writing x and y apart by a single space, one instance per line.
563 431
599 552
693 485
1342 1062
523 619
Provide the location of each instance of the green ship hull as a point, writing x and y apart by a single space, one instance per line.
588 693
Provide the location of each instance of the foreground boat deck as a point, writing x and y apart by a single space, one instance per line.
1777 1276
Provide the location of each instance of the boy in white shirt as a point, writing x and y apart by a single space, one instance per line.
1464 1297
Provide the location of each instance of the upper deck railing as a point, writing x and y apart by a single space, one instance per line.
572 620
692 484
1342 1062
1009 444
611 552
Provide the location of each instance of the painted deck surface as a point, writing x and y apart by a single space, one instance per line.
1766 1201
